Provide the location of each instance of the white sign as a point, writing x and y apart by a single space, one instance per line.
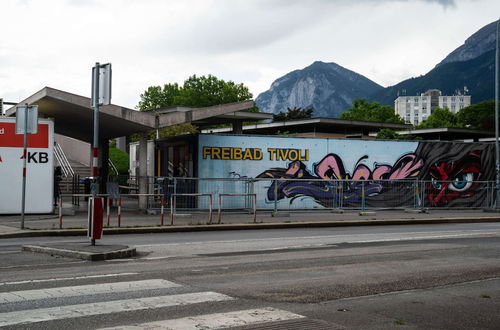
39 163
104 84
32 122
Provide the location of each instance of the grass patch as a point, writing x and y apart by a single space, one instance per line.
484 295
399 322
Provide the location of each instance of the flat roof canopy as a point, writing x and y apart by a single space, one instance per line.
331 125
74 117
449 134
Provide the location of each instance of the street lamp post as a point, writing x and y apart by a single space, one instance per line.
497 150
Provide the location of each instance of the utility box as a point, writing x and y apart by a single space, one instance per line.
39 168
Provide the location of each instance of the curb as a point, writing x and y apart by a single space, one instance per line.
91 256
247 226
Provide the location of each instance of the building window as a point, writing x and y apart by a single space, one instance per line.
453 99
445 99
415 121
415 99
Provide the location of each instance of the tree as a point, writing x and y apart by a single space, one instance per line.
478 116
293 113
157 97
363 110
195 92
207 91
440 118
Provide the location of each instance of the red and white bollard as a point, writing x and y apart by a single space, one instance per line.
162 212
60 212
108 211
95 218
119 211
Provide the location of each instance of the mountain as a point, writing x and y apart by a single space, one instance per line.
471 65
476 45
326 87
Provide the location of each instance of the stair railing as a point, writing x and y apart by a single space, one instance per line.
61 158
112 166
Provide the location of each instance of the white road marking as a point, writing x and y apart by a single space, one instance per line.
116 306
266 244
217 321
40 265
66 278
84 290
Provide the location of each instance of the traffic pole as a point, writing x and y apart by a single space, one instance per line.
25 156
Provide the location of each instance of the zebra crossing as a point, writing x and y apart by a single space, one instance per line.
79 300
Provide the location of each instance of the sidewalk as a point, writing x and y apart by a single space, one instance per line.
136 222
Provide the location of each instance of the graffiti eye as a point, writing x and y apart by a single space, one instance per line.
462 182
436 184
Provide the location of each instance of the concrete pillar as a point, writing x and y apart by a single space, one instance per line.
143 166
237 127
121 143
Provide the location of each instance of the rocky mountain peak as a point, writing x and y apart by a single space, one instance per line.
326 87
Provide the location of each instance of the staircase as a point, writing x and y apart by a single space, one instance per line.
80 171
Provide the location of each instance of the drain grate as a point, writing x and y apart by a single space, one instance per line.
298 324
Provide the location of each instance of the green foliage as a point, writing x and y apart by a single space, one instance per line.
293 113
120 159
478 116
197 91
389 134
157 97
207 91
181 129
364 110
440 118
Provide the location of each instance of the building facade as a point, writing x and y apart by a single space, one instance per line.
416 109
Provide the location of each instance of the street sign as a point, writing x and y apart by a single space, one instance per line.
27 125
103 83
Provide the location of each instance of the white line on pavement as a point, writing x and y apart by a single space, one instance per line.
116 306
218 320
66 278
84 290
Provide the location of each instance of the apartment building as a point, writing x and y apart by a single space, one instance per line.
416 109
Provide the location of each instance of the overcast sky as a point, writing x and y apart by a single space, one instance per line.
152 42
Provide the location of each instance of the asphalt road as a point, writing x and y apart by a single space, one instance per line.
403 277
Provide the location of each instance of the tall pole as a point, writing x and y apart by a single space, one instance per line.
25 156
497 150
95 145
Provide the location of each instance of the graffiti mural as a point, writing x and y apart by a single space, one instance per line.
456 172
323 172
453 173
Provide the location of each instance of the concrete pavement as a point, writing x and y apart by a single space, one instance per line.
131 221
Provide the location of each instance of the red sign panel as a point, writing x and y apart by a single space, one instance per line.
9 138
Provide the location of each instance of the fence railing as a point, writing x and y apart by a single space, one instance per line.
283 194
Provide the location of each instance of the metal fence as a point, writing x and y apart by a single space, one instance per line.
282 194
